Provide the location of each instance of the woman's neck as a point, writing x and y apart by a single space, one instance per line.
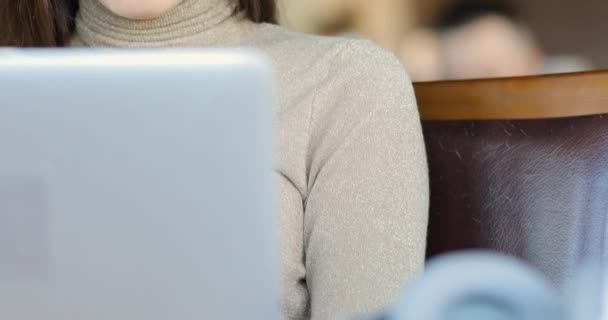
191 23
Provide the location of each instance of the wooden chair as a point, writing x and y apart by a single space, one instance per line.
519 165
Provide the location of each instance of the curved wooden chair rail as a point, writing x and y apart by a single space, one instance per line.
535 97
520 166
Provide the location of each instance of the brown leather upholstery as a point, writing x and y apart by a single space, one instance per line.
536 188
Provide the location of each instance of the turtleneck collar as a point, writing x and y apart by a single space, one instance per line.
191 23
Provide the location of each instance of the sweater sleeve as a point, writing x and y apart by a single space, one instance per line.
366 211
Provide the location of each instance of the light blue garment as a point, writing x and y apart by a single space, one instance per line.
585 293
479 286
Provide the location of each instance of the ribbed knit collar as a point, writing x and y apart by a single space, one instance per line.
191 23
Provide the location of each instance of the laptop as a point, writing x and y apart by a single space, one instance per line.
136 185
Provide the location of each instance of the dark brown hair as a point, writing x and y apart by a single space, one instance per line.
49 23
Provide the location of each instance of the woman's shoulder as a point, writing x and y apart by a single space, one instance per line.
351 79
349 61
351 52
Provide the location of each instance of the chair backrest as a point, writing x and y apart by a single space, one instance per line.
519 165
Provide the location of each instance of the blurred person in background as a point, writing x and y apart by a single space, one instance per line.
382 21
479 39
420 52
472 39
485 39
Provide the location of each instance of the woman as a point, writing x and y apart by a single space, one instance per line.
351 166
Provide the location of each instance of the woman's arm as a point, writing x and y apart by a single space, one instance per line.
365 217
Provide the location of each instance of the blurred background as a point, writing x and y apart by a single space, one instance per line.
464 39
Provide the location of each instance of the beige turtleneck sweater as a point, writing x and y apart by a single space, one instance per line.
351 165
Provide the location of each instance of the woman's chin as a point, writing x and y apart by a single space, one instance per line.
140 9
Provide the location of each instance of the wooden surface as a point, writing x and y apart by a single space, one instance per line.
537 97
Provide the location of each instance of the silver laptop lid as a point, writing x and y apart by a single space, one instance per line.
136 185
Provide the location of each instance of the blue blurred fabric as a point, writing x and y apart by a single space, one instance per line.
478 285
